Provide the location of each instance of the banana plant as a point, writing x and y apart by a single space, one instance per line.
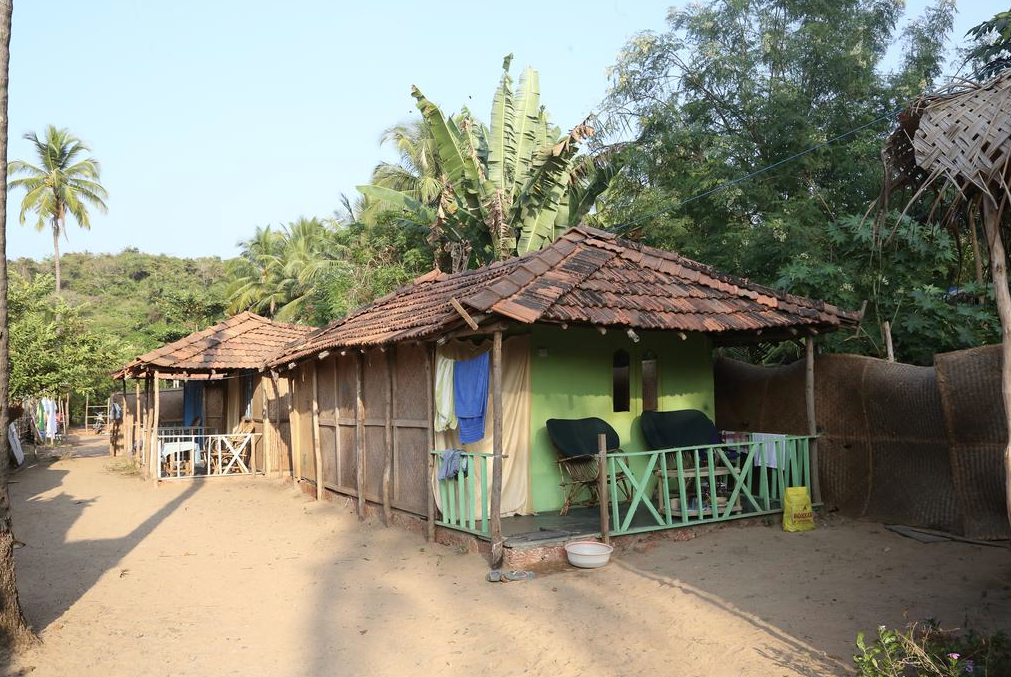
508 188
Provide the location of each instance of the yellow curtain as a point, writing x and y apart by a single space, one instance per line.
516 498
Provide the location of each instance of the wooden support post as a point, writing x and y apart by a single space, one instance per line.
87 399
1002 295
155 456
430 489
147 425
360 434
266 426
277 423
605 525
316 450
391 391
812 425
138 420
886 329
496 461
295 422
127 433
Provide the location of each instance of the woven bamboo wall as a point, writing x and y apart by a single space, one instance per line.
899 443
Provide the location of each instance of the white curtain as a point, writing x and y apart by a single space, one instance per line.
516 498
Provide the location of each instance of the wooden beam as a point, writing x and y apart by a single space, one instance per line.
429 488
812 426
496 462
463 313
317 451
155 456
268 428
391 393
605 525
360 434
138 421
295 423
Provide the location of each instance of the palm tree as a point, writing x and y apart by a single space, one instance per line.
278 270
64 182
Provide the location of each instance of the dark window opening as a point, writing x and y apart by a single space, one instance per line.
619 377
649 382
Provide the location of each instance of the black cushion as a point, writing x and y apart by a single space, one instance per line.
673 429
578 436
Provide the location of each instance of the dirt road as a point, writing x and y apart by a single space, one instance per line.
240 577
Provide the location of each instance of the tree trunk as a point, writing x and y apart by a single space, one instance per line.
56 253
998 266
14 630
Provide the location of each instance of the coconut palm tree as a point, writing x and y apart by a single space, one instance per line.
65 181
278 270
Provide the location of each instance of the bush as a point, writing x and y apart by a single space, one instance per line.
924 650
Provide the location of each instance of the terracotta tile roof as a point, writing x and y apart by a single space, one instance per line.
245 341
587 276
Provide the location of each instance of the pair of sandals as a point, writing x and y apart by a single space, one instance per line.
497 576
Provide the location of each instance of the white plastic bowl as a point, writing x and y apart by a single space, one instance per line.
588 554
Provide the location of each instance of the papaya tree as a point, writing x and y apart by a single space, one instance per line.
507 188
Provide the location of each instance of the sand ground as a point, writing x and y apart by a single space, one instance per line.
251 577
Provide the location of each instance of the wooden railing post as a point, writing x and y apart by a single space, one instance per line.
496 461
812 426
605 526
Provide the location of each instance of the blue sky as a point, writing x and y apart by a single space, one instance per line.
211 118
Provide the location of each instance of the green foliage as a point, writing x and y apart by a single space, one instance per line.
491 191
906 280
990 52
313 271
53 349
922 651
142 300
732 88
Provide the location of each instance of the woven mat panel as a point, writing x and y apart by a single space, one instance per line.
966 135
969 383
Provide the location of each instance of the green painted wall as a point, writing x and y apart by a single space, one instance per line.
570 374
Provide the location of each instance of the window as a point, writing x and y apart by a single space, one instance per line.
619 379
247 396
649 379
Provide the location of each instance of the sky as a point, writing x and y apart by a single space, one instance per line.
212 118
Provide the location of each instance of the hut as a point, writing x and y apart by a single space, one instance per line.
219 419
592 328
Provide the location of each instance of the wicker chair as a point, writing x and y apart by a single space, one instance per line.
575 442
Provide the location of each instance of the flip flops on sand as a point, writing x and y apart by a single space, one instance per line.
497 576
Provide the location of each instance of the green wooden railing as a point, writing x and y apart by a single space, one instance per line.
465 499
711 483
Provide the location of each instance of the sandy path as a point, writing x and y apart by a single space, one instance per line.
236 577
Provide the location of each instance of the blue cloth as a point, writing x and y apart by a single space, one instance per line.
470 397
451 464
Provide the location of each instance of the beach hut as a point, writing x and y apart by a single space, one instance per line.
591 327
225 417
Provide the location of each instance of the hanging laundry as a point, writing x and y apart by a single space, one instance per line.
445 412
52 425
470 394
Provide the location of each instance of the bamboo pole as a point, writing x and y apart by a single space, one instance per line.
360 434
138 421
266 426
126 432
430 382
496 463
391 389
886 329
605 526
316 450
998 268
295 422
155 460
812 425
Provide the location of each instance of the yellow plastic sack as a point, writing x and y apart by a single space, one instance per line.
798 515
